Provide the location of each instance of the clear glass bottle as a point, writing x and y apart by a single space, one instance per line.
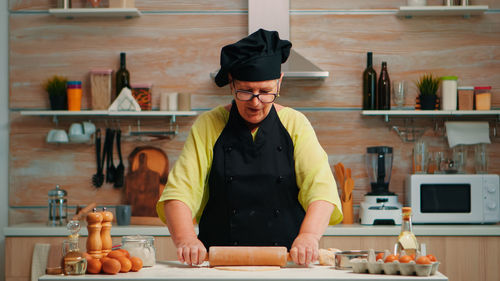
74 261
406 240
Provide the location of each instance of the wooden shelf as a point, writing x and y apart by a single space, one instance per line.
466 11
106 113
95 12
429 112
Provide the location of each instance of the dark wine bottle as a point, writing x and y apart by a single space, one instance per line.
384 89
122 75
369 85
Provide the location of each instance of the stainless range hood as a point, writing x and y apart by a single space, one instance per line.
274 15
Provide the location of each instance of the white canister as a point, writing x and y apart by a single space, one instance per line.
449 93
172 101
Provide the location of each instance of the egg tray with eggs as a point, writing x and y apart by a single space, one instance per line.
392 265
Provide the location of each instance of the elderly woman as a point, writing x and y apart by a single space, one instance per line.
252 172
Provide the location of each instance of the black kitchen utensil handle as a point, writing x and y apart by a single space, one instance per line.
98 149
118 144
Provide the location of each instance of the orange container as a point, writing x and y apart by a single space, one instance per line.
74 93
483 97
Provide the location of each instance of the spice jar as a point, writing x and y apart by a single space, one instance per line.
142 94
483 97
58 207
100 88
142 247
74 92
449 92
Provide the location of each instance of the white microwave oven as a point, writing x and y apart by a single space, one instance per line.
453 198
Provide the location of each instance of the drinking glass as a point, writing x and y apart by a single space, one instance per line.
399 90
481 158
420 158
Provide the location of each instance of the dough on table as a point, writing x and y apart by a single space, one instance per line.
247 268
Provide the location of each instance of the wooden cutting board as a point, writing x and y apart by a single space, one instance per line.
145 179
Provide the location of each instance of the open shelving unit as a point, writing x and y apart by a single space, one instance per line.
88 113
409 133
71 13
429 113
465 11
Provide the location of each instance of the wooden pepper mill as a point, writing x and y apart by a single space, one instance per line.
107 243
94 242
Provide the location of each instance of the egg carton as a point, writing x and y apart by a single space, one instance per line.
393 268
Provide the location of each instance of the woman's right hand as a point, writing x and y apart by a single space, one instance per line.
191 251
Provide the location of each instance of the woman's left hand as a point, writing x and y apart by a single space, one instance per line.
305 249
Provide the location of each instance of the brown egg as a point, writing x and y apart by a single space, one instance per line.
94 266
127 254
126 264
111 266
115 254
405 259
423 260
87 256
103 259
136 263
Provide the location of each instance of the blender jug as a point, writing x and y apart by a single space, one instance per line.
379 166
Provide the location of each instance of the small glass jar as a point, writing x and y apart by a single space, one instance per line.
142 94
100 88
142 247
482 96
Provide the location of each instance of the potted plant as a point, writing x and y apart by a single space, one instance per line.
428 86
56 88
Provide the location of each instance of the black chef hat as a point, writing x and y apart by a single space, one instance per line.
257 57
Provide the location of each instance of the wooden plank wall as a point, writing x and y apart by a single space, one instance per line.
176 44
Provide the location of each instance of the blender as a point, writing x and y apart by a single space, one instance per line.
380 205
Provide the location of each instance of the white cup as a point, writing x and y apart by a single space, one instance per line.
172 101
164 101
76 129
88 128
57 136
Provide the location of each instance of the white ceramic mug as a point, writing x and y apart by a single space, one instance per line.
57 136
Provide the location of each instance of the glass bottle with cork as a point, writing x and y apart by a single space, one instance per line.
74 261
406 240
122 75
384 89
369 84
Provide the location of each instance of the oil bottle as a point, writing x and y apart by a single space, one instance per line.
74 262
406 240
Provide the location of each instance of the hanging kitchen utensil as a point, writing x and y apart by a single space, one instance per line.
98 178
120 168
111 170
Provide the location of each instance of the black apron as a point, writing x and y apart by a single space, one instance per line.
253 194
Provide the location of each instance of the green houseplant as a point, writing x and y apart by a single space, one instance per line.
56 88
428 86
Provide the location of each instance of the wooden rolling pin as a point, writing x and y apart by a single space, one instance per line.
247 256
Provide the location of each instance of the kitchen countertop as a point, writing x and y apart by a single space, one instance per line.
170 270
38 229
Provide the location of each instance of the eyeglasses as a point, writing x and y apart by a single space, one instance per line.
243 95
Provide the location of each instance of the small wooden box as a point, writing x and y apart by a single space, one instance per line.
465 99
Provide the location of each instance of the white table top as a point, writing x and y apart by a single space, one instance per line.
173 270
38 229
